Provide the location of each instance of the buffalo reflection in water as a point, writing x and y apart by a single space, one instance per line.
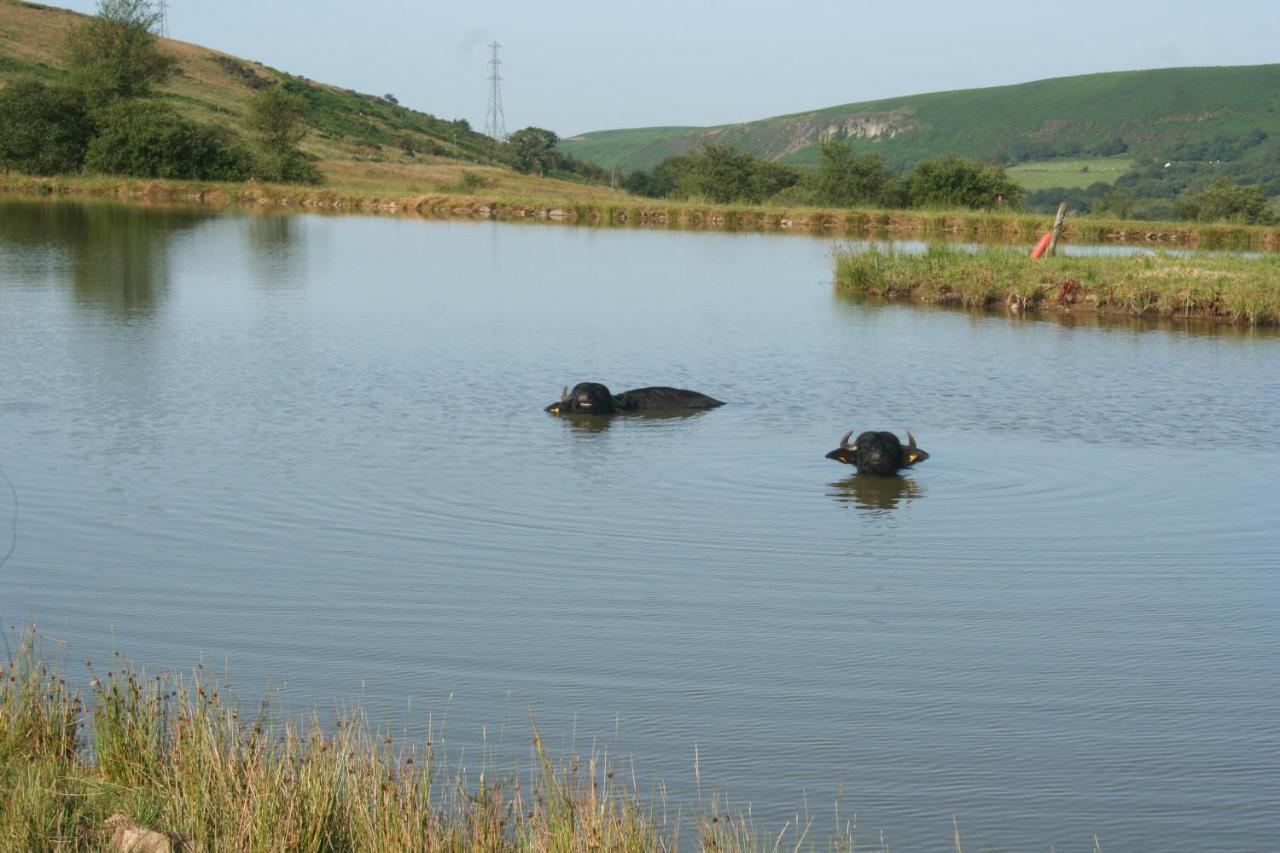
596 423
877 494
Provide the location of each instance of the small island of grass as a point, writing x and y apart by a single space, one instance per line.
1226 288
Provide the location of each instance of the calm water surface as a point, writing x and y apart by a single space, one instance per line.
312 451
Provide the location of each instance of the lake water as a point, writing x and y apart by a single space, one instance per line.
311 451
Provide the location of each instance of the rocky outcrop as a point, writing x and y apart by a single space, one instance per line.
815 129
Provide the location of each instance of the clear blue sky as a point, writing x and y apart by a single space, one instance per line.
574 66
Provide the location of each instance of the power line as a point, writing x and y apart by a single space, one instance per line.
495 125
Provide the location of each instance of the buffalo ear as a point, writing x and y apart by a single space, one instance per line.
847 455
913 455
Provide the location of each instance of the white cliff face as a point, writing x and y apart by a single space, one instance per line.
867 126
856 126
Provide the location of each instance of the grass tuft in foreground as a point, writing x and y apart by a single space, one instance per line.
176 755
1226 288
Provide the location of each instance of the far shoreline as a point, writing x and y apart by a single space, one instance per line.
637 212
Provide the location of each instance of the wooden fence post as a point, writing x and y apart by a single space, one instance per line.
1057 228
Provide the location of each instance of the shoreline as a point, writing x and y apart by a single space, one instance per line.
638 212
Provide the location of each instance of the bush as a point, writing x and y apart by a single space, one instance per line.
149 139
1223 200
655 184
44 130
293 167
961 182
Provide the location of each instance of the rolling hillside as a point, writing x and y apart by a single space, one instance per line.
1138 113
214 87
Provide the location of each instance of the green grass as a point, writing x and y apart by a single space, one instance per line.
1224 288
178 755
1070 173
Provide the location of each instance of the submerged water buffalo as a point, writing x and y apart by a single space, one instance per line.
878 453
592 398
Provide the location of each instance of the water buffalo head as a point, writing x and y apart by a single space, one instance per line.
586 398
878 453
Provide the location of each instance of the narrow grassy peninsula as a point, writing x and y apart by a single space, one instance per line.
1225 288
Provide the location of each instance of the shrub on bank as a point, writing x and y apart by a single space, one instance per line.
44 130
945 182
149 139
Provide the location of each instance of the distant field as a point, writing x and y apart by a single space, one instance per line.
1068 173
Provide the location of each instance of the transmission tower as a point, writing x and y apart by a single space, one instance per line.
163 8
494 124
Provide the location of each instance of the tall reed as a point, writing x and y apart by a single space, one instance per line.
177 754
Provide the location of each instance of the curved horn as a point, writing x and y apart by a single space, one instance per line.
564 395
911 441
844 439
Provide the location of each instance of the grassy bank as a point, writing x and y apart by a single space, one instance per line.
448 189
178 756
1212 287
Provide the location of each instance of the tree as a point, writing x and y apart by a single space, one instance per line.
724 174
770 178
44 130
961 182
116 54
1117 203
718 173
276 117
845 179
533 149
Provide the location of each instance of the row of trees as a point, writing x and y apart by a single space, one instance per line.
103 117
843 178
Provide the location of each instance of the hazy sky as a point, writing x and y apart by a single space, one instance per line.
574 66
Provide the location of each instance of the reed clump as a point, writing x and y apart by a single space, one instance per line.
1236 289
178 756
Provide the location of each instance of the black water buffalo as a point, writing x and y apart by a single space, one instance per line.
878 453
592 398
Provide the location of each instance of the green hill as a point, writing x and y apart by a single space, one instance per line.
214 87
1157 113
